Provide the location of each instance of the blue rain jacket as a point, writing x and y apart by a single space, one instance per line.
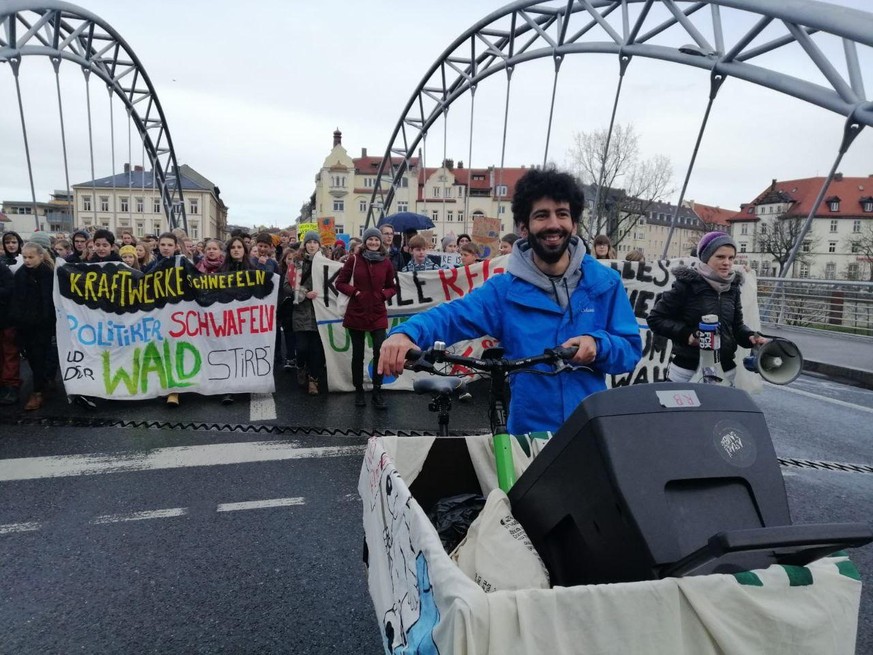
527 321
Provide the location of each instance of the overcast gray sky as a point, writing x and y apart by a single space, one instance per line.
252 92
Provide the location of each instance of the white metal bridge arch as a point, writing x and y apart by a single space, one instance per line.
527 30
64 32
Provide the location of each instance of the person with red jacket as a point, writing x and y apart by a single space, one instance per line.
368 279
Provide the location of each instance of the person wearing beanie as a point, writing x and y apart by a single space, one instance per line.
449 243
128 256
310 352
712 287
369 280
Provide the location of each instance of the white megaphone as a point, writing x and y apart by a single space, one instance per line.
778 361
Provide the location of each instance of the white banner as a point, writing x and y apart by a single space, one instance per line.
643 281
125 334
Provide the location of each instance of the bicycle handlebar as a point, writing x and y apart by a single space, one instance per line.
418 360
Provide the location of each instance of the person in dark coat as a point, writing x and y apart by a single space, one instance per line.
80 243
12 243
713 287
10 379
104 242
369 280
33 313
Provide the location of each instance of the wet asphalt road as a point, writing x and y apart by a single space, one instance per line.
84 577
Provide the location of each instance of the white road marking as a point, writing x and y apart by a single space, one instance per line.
834 401
141 516
20 527
262 407
260 504
32 468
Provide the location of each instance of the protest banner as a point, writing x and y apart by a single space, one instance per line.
303 228
327 230
486 235
125 334
643 282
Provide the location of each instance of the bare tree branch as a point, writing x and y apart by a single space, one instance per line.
629 185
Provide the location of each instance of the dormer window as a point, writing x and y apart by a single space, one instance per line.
867 204
833 203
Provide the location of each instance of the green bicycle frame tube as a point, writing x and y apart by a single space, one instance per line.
503 460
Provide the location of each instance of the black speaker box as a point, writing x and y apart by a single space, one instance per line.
652 480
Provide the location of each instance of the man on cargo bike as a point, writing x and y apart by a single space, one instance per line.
553 293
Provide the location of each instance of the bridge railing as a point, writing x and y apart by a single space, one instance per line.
835 305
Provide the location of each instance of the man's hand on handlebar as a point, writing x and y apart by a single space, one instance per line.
587 349
392 355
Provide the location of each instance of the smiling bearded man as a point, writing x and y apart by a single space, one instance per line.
552 294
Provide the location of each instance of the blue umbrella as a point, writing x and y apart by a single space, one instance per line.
405 221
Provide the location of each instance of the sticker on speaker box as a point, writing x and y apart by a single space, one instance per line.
734 443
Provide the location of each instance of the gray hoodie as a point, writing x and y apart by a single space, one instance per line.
559 289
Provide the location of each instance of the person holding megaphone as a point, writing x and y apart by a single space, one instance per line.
712 287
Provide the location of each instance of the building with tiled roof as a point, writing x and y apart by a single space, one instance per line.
131 201
828 251
715 219
450 195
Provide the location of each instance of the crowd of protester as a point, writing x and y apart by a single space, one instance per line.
368 277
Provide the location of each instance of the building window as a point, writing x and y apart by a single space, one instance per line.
852 271
339 229
140 229
501 190
104 203
754 265
125 204
156 206
435 215
24 210
834 205
86 222
830 271
856 247
832 246
744 228
833 226
369 182
450 216
362 206
339 205
856 225
743 247
805 246
763 230
501 209
804 270
193 206
436 192
403 206
139 205
86 203
460 191
337 180
157 229
194 230
868 205
460 216
404 183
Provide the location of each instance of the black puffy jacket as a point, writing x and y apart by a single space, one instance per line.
7 285
677 314
32 302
